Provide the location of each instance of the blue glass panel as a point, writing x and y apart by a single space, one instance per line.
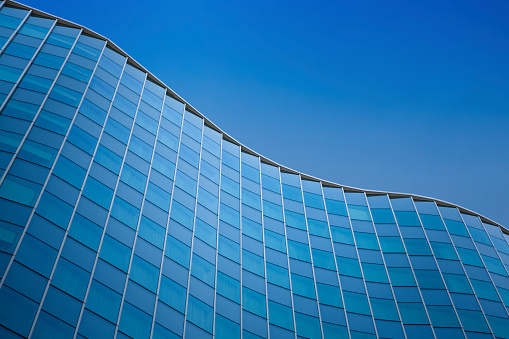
298 250
9 74
391 244
331 331
158 196
178 251
98 193
348 266
229 215
37 153
382 216
48 326
250 173
36 83
319 228
228 287
9 236
200 314
251 199
115 253
254 302
108 159
203 270
307 326
125 212
384 309
494 265
272 210
144 273
313 200
103 88
291 192
36 255
329 295
117 130
229 249
151 232
417 247
86 51
70 279
252 229
359 212
163 165
498 325
22 51
336 207
172 294
296 220
51 61
271 183
20 109
140 148
26 281
82 139
103 301
280 315
9 21
413 313
19 190
205 232
253 263
17 312
277 275
134 322
162 333
374 273
73 70
182 215
230 186
323 259
342 235
226 329
275 241
432 222
231 160
303 286
470 257
66 95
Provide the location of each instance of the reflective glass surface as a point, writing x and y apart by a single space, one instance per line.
125 213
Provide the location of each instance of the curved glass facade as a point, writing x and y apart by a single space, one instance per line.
125 213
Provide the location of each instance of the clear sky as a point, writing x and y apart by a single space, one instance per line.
402 96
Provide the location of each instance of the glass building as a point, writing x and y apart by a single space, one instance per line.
124 212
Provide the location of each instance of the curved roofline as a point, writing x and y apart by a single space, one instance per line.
226 136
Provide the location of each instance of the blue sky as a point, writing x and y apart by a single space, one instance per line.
399 96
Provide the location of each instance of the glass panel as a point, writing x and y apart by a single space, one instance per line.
254 302
228 287
303 286
329 295
70 279
19 190
103 301
203 270
307 326
200 314
144 273
135 322
172 294
281 315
